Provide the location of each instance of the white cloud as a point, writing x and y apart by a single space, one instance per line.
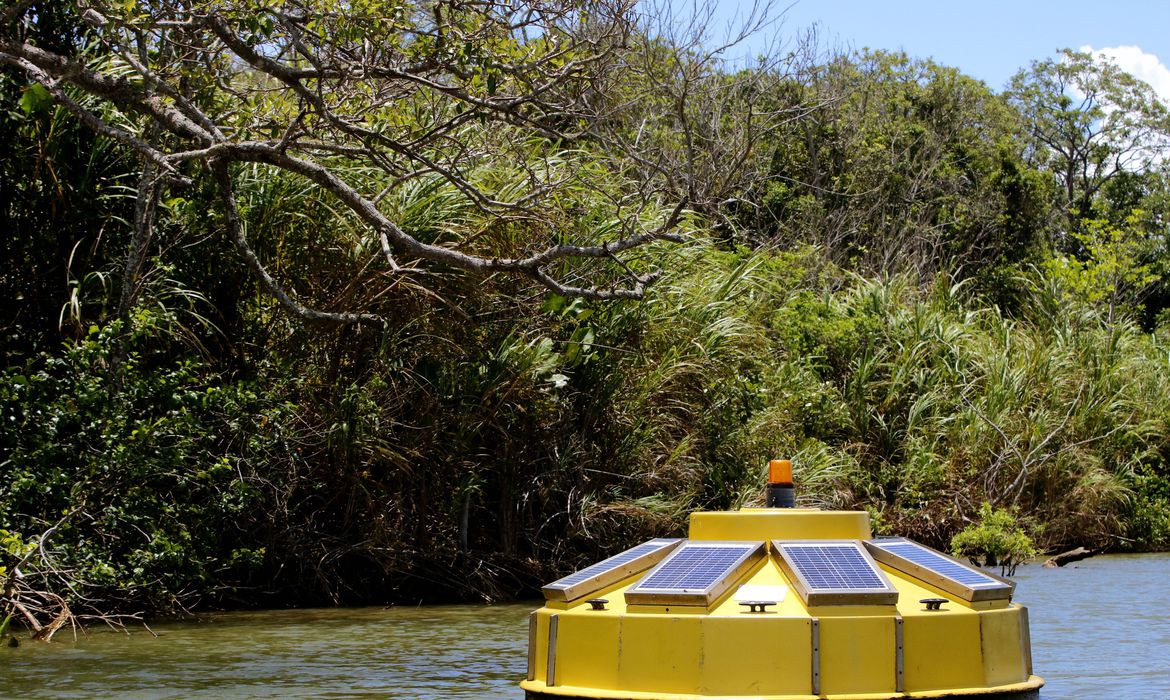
1139 64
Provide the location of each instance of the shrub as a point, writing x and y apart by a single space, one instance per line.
997 540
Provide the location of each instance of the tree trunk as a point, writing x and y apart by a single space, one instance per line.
145 207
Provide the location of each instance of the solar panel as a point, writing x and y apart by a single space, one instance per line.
696 573
835 572
936 568
608 571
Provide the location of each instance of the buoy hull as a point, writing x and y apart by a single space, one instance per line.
991 695
770 632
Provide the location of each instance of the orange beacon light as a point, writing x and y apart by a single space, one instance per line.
780 493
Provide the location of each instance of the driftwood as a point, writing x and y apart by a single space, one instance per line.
1070 556
41 611
64 614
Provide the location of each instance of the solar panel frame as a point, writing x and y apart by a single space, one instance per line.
848 576
713 568
609 571
939 570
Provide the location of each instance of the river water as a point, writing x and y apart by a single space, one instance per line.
1100 627
1100 630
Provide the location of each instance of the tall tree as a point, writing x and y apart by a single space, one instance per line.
1090 122
899 163
359 100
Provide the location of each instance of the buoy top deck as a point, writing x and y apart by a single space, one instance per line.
780 524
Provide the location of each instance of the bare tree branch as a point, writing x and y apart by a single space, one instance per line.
236 231
438 91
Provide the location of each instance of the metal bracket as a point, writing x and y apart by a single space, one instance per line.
550 676
816 656
532 647
899 656
1026 640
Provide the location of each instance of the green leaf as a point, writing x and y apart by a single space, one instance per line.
554 303
36 98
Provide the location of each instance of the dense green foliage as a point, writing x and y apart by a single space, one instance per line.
997 540
898 300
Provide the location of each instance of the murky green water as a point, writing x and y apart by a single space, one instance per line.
1099 631
460 651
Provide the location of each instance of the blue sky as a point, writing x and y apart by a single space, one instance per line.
990 39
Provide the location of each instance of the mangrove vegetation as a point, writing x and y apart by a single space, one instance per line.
310 302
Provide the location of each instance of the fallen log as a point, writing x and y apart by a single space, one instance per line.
1070 556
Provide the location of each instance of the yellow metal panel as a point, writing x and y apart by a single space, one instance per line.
1003 652
674 610
857 654
587 652
780 524
941 650
661 653
768 574
757 655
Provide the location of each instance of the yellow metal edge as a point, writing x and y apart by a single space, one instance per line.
598 694
779 523
1033 683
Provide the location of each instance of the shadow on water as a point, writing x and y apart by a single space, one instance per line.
1099 631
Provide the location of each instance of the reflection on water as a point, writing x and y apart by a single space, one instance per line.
1099 631
460 651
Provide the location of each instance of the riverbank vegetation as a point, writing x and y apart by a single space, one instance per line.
235 385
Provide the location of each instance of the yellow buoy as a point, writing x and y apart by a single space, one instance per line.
780 604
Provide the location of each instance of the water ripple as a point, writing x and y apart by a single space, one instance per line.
1100 630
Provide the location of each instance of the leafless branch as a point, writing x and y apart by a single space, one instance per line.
303 95
236 231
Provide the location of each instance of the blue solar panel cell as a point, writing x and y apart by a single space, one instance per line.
832 567
836 572
939 564
609 571
937 569
694 567
696 573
